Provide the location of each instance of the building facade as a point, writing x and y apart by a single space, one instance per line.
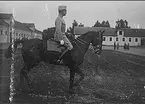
38 34
135 37
21 30
4 29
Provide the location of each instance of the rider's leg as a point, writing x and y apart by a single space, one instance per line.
69 47
60 57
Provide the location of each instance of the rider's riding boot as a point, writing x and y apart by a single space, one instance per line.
60 57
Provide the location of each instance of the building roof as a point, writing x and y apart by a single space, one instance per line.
108 31
5 16
37 31
29 24
2 22
21 26
134 32
128 32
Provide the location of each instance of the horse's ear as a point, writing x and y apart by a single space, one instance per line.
103 31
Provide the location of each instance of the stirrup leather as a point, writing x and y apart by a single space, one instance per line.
62 54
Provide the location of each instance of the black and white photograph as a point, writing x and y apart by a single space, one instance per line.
72 52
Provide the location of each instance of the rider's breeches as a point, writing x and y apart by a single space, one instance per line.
67 43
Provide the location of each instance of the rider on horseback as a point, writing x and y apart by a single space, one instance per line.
60 27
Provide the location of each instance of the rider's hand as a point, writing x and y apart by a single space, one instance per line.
62 42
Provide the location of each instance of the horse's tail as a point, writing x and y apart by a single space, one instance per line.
8 52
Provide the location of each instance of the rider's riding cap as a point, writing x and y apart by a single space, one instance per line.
62 7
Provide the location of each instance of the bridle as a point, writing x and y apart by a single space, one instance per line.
80 41
84 42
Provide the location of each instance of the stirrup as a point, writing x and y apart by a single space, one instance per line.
60 61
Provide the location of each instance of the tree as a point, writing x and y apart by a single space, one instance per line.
97 24
81 25
107 24
122 24
70 30
103 24
48 33
75 23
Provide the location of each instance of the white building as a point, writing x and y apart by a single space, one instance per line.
38 34
135 37
4 29
21 30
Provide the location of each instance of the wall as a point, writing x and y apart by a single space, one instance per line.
38 35
3 36
18 36
107 40
121 42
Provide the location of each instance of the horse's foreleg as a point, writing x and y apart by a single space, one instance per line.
81 76
23 75
72 75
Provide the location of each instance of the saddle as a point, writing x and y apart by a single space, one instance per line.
53 45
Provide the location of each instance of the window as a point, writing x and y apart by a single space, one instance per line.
120 32
104 38
123 39
116 39
110 38
16 34
129 39
6 33
1 32
136 39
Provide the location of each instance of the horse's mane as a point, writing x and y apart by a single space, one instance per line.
83 35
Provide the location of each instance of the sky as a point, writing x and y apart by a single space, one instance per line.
44 13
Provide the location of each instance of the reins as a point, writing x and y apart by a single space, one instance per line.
78 46
82 42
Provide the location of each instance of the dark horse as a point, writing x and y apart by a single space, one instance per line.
34 50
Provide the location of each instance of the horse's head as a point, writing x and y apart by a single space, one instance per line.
97 40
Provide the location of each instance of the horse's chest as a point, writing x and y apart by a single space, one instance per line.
78 57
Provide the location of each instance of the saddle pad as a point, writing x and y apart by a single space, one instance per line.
53 46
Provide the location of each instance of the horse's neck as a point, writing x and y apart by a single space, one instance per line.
86 44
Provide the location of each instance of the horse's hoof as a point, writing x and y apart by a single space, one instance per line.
31 91
71 91
76 84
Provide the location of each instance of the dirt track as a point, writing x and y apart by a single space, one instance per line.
119 78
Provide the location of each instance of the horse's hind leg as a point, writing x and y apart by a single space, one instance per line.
72 74
23 75
77 70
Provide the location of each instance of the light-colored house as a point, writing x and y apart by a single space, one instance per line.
4 29
7 19
21 30
135 37
38 34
